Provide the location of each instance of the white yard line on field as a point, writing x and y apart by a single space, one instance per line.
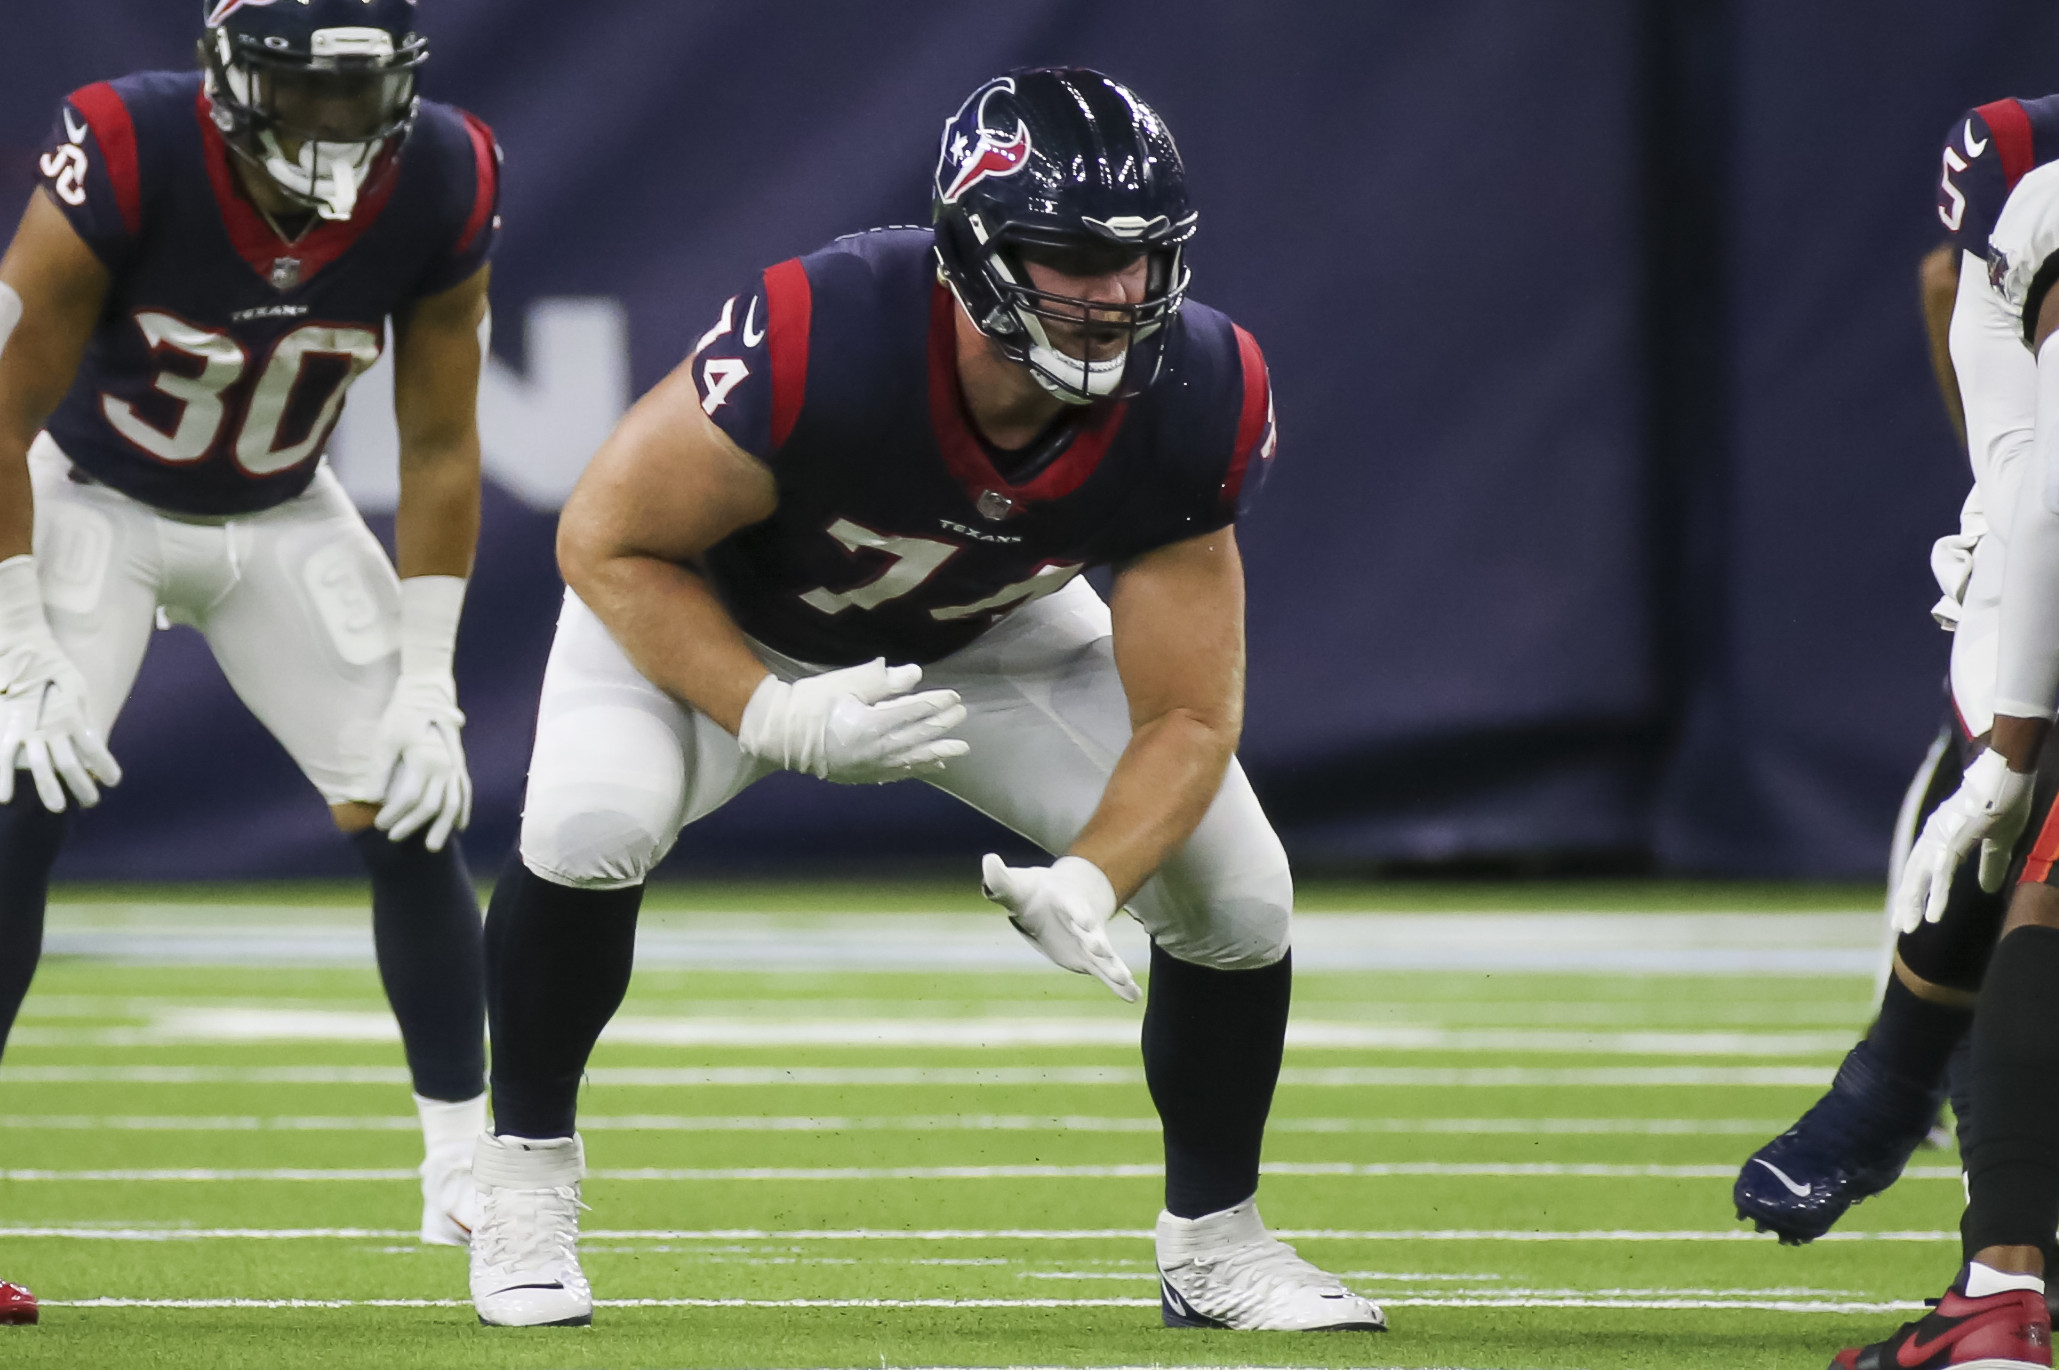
1564 942
949 1122
868 1234
665 1077
1653 1304
254 1025
726 1174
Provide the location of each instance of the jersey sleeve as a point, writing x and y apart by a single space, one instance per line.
478 231
2023 251
90 167
751 368
1987 151
1251 456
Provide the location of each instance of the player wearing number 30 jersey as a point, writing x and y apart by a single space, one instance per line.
885 467
210 260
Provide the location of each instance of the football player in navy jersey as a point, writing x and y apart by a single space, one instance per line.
211 258
845 538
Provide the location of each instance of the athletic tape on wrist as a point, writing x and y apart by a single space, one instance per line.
10 312
21 601
430 607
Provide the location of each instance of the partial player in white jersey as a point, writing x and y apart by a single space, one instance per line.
1855 1141
211 258
1995 1313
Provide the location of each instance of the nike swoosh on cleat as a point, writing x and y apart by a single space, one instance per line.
1800 1191
1913 1352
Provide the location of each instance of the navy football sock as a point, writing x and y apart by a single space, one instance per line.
30 836
425 933
558 962
1212 1044
1914 1038
2012 1161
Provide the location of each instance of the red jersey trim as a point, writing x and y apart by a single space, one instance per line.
253 238
2037 867
488 183
963 453
2009 123
1258 403
789 305
115 131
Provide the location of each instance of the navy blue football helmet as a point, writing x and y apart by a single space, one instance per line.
1066 167
312 91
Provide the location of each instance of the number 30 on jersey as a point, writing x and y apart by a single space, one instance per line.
209 363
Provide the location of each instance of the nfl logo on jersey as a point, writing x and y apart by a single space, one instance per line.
285 273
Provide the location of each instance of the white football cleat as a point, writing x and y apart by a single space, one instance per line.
525 1251
450 1200
1226 1270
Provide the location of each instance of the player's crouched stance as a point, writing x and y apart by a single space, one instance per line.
861 464
211 259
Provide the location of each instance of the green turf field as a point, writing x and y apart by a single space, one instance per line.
839 1128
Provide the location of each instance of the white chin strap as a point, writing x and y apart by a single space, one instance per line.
327 173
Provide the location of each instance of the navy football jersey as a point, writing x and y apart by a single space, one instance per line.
897 533
1986 153
219 366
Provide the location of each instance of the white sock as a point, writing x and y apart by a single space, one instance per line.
1983 1280
448 1128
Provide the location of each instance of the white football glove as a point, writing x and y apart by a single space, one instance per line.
856 726
43 725
418 757
1990 807
1063 909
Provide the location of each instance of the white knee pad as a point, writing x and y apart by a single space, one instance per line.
594 837
606 785
1243 922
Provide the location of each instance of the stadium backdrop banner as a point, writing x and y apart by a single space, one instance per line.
1609 458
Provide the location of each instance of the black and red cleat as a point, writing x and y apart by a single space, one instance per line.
17 1306
2007 1331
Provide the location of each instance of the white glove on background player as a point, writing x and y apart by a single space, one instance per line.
1990 807
418 758
856 726
43 726
1063 909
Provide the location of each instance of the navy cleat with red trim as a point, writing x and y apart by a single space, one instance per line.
2011 1330
1849 1147
17 1306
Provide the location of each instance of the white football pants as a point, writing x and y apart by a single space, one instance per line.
298 603
620 767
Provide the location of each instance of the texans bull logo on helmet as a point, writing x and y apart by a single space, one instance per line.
978 151
224 8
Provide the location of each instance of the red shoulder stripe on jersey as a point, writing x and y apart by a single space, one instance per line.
2037 867
255 241
789 304
115 131
1258 404
2009 123
963 454
488 183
